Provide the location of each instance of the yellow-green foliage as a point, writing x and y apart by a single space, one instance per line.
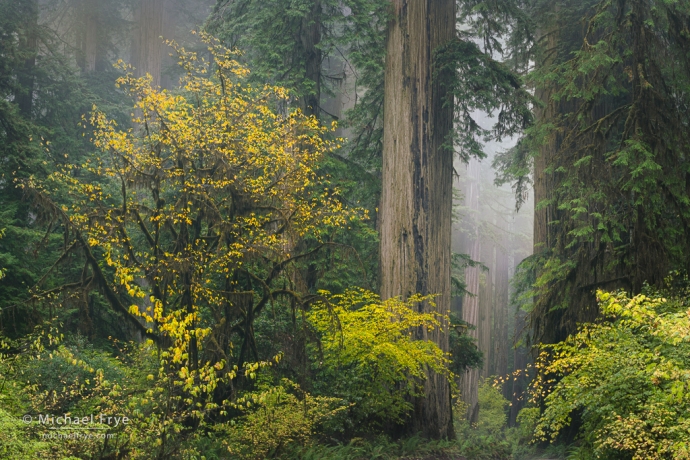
491 438
369 359
627 375
527 420
277 417
160 402
211 183
210 196
16 440
21 395
369 354
492 408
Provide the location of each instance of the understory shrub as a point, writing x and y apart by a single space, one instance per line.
625 376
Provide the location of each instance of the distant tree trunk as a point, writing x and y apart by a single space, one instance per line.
310 36
89 35
147 45
310 101
499 333
28 46
470 305
486 313
416 201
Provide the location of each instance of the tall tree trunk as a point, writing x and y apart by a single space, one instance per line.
89 35
416 201
543 181
550 324
310 35
470 305
147 44
500 330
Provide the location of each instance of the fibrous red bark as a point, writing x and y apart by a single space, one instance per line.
416 201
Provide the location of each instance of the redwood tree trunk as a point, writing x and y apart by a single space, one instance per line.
470 305
486 310
501 311
310 36
416 199
543 182
147 45
89 35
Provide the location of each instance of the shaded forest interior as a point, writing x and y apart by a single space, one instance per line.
344 229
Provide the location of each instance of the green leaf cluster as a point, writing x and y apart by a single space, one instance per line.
625 377
370 357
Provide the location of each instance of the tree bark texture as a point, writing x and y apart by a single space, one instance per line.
416 201
549 324
499 342
543 182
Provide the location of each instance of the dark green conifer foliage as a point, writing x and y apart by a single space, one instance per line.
616 143
484 65
42 98
287 42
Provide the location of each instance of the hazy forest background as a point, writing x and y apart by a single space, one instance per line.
344 229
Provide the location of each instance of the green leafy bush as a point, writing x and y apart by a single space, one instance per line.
491 438
15 441
367 361
280 416
492 409
626 377
370 358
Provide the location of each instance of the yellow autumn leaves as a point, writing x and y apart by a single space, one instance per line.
208 177
213 182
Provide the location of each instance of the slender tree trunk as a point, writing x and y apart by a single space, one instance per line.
416 201
310 35
310 101
486 313
470 305
500 330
